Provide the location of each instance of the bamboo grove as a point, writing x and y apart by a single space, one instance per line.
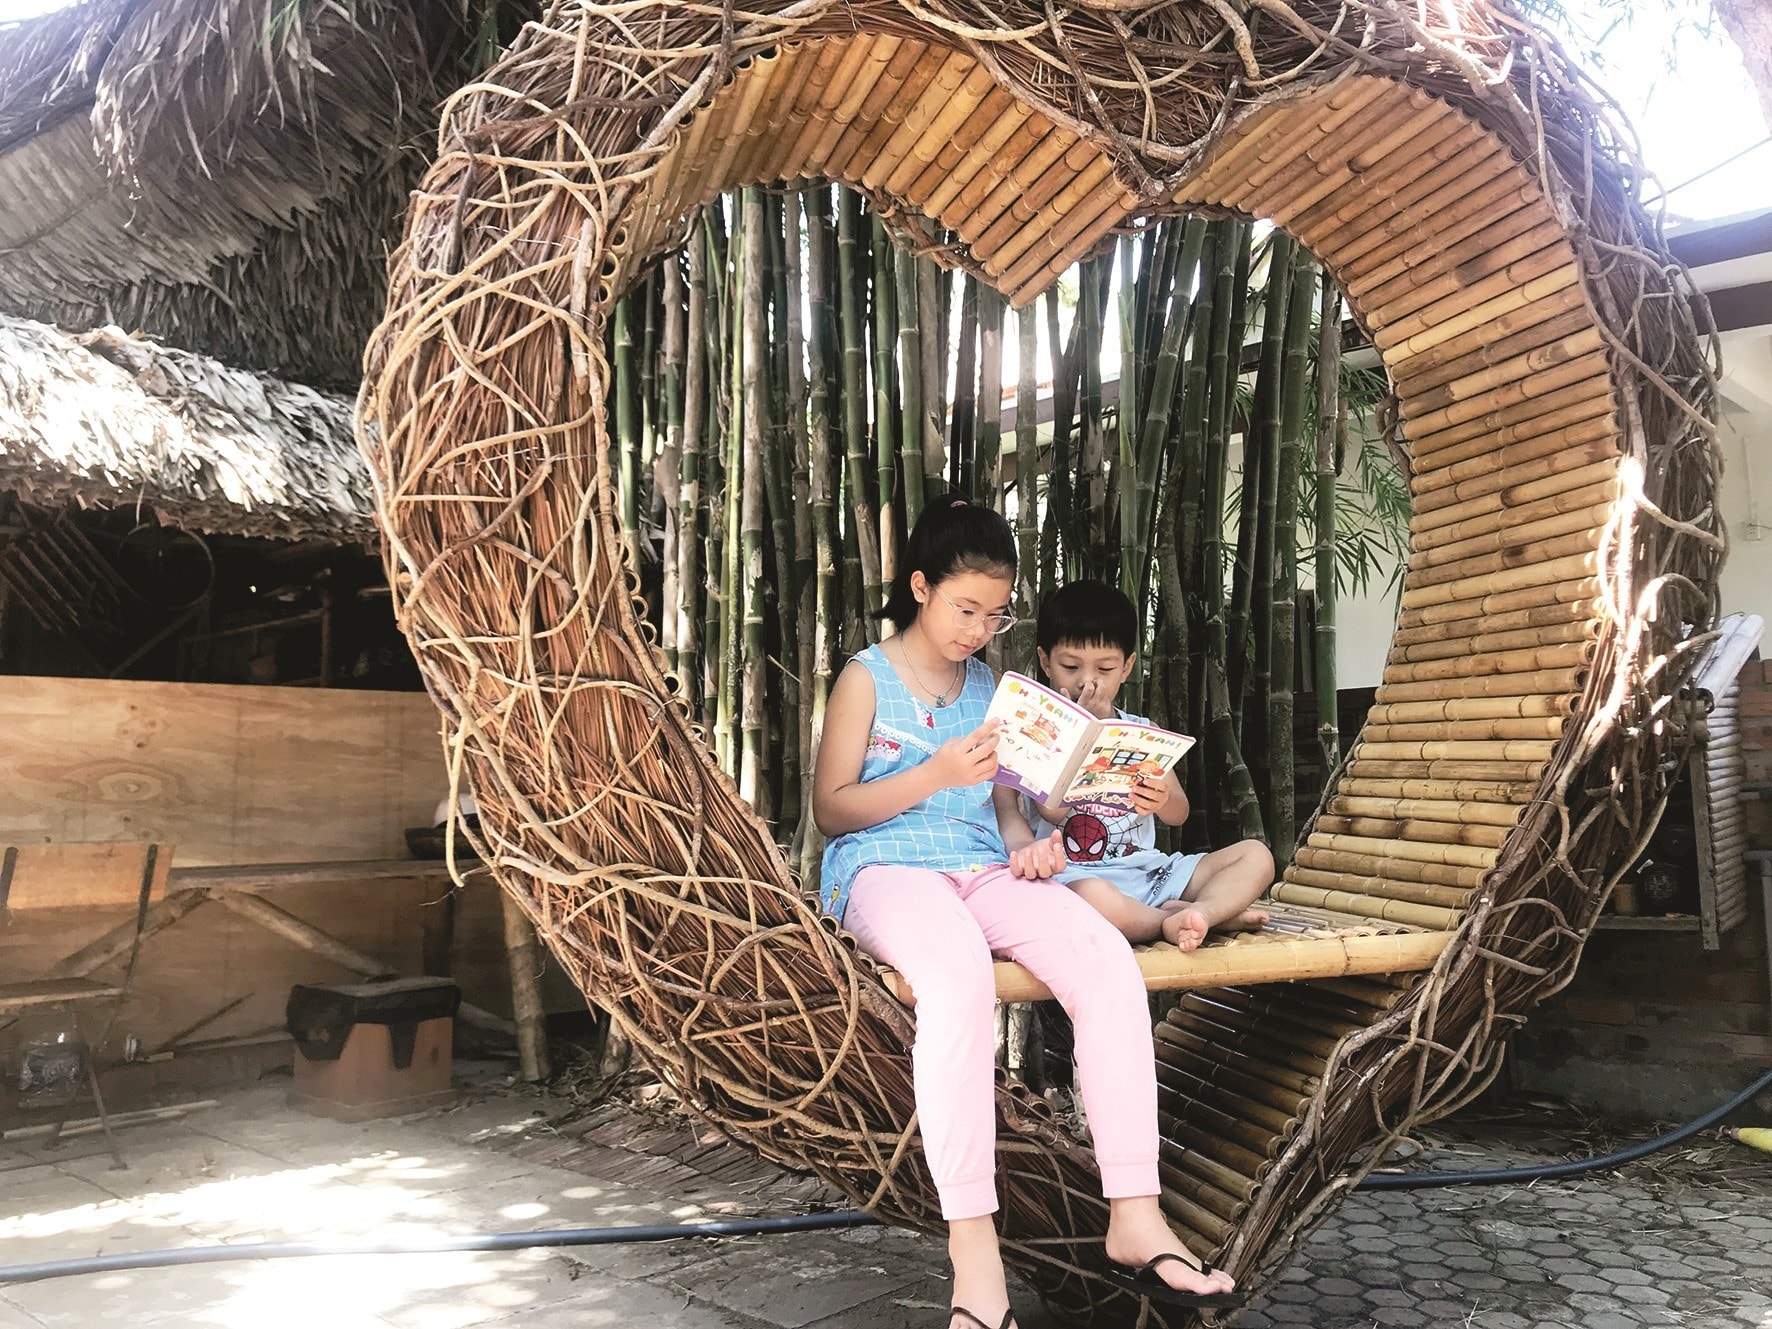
792 386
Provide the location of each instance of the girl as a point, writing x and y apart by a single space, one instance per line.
916 870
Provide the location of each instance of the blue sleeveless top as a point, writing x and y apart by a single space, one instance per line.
953 830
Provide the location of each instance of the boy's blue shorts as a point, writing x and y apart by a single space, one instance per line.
1149 876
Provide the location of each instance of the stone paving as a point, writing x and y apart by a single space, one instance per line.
1687 1245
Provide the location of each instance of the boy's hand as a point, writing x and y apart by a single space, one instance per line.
1148 796
1093 697
1041 859
961 762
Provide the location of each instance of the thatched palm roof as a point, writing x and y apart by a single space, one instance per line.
226 175
105 419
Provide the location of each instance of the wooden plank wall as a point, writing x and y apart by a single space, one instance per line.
1755 718
227 774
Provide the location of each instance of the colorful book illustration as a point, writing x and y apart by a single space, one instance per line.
1053 750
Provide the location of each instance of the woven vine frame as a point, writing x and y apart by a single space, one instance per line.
570 166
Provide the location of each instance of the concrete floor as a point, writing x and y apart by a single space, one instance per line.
1603 1253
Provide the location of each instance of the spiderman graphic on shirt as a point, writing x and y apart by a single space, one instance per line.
1095 832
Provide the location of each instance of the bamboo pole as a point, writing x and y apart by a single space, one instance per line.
668 473
910 383
1492 582
1460 730
1450 855
1464 812
1416 832
1478 708
524 955
1282 824
1027 469
855 438
1535 489
1507 772
1510 750
1579 597
1494 685
1383 888
1373 906
1497 432
1453 644
1167 969
888 434
990 399
1331 424
1391 867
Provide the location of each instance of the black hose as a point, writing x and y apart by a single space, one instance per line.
745 1227
1410 1181
481 1241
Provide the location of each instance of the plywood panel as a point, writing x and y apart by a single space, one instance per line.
228 774
49 876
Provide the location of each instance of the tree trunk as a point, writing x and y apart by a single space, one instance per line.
1749 25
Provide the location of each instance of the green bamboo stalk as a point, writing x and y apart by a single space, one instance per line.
1282 823
713 656
1181 502
668 472
910 381
855 437
1329 419
1027 469
888 436
826 471
988 484
804 607
1091 494
963 432
1247 637
651 328
1138 518
931 318
627 430
1059 484
1238 788
751 396
781 748
729 717
1121 493
1206 571
690 531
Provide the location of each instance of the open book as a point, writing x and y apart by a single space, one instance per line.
1053 750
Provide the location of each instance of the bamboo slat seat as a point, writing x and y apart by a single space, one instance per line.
1297 944
1552 397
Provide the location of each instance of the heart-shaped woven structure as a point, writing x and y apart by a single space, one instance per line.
1554 396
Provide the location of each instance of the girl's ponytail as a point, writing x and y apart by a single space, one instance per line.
952 535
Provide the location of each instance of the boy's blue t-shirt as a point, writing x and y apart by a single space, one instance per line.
1097 833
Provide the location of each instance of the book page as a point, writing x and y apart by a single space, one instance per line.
1123 753
1041 736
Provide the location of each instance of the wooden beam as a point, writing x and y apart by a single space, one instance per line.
310 938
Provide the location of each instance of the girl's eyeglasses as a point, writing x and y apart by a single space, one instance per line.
996 624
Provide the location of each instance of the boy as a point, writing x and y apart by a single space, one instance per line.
1088 645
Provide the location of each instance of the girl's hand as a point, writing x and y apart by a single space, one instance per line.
1148 796
1041 859
1095 698
962 762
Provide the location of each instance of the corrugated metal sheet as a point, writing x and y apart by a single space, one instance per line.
1718 770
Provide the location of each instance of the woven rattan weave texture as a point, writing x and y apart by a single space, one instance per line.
1553 392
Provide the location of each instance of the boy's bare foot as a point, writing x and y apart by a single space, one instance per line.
1185 929
1250 920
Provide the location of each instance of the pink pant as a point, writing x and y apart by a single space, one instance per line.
939 929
